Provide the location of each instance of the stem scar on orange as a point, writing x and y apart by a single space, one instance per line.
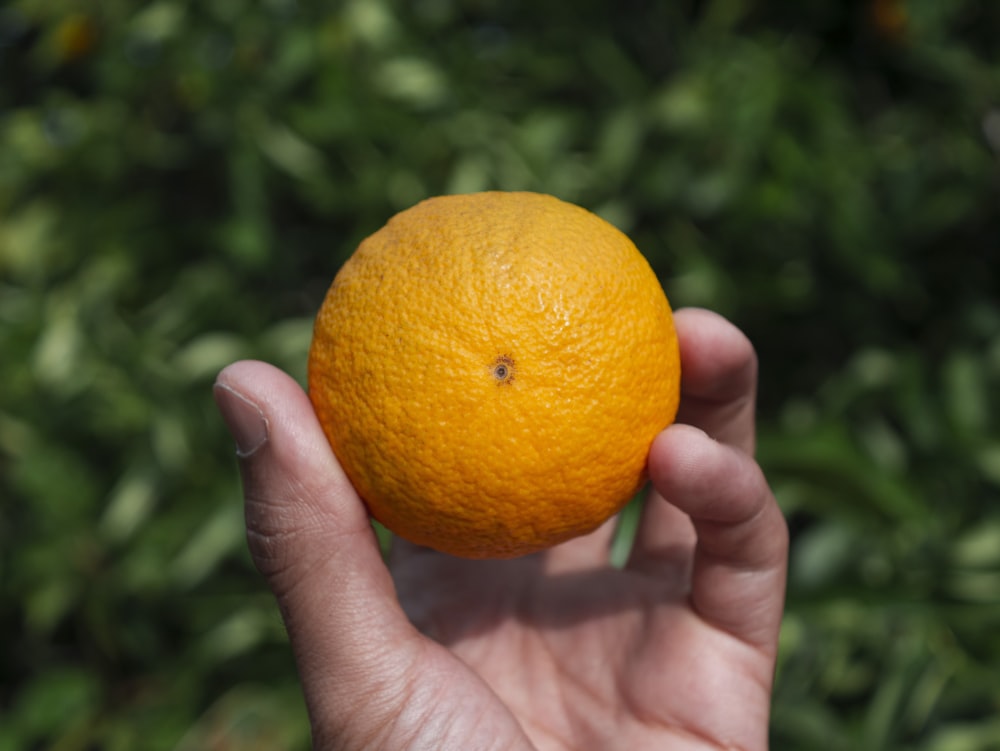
491 369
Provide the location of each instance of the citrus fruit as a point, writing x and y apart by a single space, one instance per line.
491 369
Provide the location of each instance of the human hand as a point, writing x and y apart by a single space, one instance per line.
553 651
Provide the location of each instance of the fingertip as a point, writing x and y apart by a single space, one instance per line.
719 360
260 383
672 452
707 323
281 403
709 480
718 378
244 418
244 375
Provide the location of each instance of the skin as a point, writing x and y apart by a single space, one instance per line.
553 651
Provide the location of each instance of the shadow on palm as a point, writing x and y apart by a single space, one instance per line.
452 599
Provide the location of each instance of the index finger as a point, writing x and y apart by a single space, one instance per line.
740 559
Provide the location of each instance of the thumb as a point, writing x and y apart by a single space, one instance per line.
311 538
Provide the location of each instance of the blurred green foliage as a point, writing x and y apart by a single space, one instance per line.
179 181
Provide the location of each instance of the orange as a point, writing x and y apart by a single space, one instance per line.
491 369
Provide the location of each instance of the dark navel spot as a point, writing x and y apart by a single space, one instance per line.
503 370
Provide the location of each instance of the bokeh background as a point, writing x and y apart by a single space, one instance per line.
181 179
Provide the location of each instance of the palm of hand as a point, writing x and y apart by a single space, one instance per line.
587 656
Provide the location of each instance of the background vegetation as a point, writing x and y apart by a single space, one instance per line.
180 180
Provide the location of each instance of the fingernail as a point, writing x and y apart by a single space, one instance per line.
245 420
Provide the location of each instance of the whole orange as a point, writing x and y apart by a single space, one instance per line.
491 369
